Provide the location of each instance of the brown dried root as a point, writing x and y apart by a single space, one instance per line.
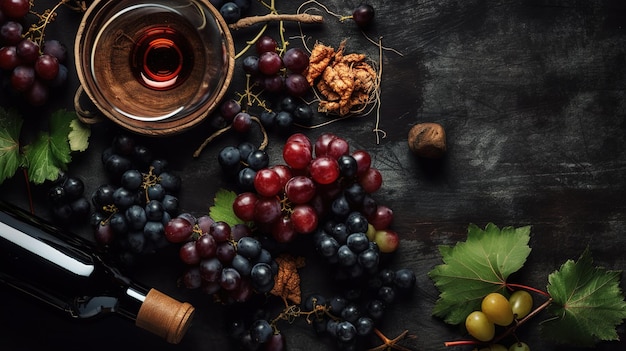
345 82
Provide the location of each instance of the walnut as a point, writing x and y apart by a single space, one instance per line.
344 81
427 140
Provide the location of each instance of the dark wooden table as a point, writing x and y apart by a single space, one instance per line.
532 95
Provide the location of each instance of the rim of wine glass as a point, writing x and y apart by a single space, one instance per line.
162 127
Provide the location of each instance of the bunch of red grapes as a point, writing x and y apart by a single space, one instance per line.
31 69
319 181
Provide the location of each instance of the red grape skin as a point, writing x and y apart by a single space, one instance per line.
324 170
220 231
15 8
299 137
267 210
265 44
284 172
300 189
371 180
382 218
363 161
28 50
387 240
8 58
11 32
297 85
47 67
188 253
304 219
206 246
282 230
363 15
37 94
338 147
297 155
267 182
22 78
270 63
178 230
243 206
242 122
321 144
296 60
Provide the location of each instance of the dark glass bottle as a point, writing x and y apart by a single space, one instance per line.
66 272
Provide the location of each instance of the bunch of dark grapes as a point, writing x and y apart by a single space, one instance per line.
242 162
350 315
132 210
288 112
31 70
221 260
67 201
276 73
232 11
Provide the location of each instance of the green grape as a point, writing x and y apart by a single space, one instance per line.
498 309
521 303
479 326
494 347
519 346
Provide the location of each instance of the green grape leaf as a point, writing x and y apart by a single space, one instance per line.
222 209
59 136
588 303
41 160
79 135
10 157
476 267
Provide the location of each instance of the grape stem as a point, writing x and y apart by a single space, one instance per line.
525 287
389 344
219 132
276 17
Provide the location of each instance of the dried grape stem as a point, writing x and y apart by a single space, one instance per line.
219 132
300 17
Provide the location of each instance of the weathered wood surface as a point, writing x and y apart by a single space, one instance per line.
532 95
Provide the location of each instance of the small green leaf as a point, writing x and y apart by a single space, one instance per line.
79 135
588 303
222 209
10 157
476 267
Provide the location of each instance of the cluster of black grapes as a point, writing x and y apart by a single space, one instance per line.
348 317
233 10
130 212
67 201
221 260
30 70
288 111
241 163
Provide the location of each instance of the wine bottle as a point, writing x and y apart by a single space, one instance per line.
66 271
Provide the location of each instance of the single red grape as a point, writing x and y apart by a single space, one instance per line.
363 15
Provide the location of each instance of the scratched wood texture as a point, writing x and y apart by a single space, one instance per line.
532 94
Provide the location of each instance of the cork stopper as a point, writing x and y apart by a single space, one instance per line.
165 316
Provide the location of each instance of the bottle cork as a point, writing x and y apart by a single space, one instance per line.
165 316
